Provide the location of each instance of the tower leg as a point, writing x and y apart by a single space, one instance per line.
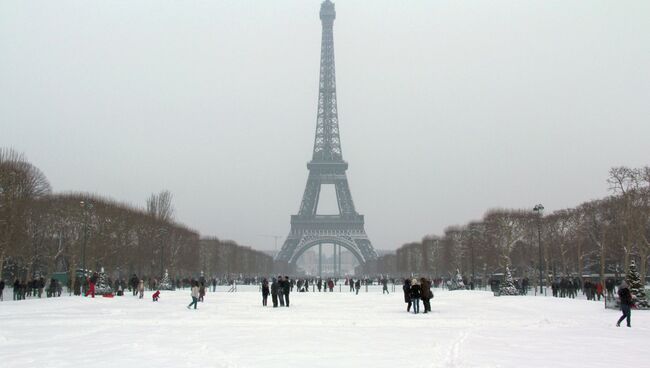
320 261
339 266
334 261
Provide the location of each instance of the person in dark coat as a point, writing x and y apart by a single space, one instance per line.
274 292
384 286
265 291
281 290
357 285
134 282
416 294
427 294
626 303
2 288
201 292
286 289
407 294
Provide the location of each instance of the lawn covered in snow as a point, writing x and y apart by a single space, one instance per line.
465 329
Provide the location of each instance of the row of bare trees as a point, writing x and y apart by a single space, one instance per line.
42 232
597 238
226 259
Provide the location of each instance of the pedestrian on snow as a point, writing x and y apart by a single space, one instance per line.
134 282
407 294
2 288
91 289
141 288
214 285
281 290
195 294
416 294
626 303
357 286
599 290
286 289
427 294
201 292
156 296
274 292
265 291
330 285
384 284
351 285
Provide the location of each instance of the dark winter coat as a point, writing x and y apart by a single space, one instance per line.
285 286
274 287
426 290
2 285
625 295
416 291
265 288
407 291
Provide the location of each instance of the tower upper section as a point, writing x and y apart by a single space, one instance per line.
327 143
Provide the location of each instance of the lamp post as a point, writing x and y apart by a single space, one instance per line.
86 206
539 210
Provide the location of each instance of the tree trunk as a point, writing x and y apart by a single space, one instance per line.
2 263
602 257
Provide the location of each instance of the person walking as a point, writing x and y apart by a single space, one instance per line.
286 289
134 282
214 284
2 288
91 288
427 294
384 284
274 292
141 288
415 293
626 303
599 290
281 290
357 286
265 291
195 295
201 292
406 288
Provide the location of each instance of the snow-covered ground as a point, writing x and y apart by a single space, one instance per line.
466 329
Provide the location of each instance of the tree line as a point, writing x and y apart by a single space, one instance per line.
42 232
597 238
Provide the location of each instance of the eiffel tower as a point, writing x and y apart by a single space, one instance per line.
327 167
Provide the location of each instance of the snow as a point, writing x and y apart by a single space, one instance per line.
465 329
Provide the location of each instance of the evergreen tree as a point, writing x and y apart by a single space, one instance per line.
103 286
457 281
637 287
508 286
165 283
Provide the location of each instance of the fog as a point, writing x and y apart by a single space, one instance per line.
446 108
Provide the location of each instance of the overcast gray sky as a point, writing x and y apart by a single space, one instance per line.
447 108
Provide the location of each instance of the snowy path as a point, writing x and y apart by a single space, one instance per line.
466 329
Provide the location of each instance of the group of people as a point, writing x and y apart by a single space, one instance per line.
33 288
416 290
279 289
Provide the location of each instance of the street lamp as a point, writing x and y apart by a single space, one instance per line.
86 206
539 210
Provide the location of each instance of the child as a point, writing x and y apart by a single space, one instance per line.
156 295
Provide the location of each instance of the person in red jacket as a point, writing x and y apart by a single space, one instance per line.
599 289
156 295
91 289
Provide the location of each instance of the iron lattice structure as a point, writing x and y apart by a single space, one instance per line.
327 167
